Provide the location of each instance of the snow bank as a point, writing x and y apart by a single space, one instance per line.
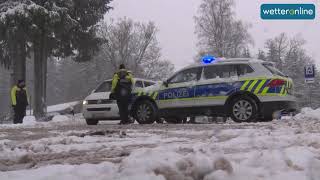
29 120
275 150
52 110
60 118
308 114
103 171
61 107
202 164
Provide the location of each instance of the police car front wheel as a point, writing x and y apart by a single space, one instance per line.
145 112
243 109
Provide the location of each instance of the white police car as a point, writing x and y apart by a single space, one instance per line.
244 89
97 106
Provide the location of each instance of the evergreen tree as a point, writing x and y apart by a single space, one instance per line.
14 24
261 55
49 28
271 51
246 53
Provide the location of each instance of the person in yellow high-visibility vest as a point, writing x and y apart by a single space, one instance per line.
121 91
19 101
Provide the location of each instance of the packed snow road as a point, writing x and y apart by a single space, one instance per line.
66 148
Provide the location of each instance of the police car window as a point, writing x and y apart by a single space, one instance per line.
243 69
220 71
186 76
273 70
147 83
139 84
104 87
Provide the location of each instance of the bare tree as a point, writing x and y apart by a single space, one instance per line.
158 70
134 44
281 43
218 31
290 57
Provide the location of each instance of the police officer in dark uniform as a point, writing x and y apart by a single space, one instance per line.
121 91
19 101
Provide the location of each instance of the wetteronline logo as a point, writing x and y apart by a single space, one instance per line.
288 11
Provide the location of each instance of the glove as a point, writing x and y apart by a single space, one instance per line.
112 96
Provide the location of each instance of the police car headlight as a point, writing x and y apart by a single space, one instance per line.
85 102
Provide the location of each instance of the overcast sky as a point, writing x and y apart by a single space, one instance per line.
174 19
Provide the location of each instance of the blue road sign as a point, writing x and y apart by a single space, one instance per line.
309 73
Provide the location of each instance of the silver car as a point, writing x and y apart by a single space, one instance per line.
97 106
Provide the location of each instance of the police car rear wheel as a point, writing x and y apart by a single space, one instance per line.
243 109
145 112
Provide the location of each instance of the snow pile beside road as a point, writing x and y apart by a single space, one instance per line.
308 114
201 164
29 120
60 107
60 118
103 171
55 109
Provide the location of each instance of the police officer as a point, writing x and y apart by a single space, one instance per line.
19 101
121 91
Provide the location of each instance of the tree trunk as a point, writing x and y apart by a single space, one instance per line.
44 74
18 65
40 77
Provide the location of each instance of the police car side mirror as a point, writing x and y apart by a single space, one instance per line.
165 83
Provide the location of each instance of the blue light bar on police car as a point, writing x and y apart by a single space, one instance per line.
208 59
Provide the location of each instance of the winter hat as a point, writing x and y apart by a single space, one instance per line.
20 81
122 66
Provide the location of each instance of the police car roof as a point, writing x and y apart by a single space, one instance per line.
227 61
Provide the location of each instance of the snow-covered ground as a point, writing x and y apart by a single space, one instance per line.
68 149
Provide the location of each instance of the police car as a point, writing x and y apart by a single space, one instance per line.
244 89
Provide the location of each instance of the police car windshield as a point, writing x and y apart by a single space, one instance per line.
104 87
274 70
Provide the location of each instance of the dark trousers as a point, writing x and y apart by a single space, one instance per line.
19 114
123 105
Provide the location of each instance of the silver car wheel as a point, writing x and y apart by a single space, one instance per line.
242 110
144 112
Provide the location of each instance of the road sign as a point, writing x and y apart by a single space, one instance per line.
309 73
